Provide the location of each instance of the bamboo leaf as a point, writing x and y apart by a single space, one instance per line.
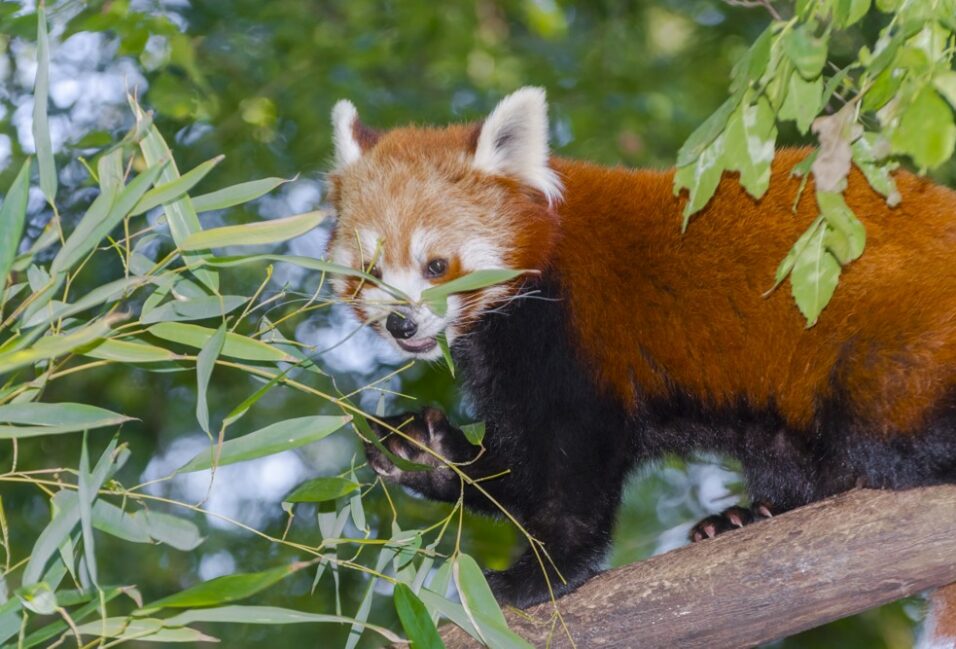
436 297
235 345
419 628
248 234
474 433
85 497
68 516
109 292
225 589
54 419
180 214
111 519
310 263
141 630
103 215
200 308
41 124
269 615
13 214
53 346
320 490
275 438
205 362
172 190
172 530
128 351
236 194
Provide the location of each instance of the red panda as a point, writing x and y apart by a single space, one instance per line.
634 340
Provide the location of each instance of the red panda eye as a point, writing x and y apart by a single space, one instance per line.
375 272
436 268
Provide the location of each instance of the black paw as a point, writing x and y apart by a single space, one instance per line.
425 438
729 519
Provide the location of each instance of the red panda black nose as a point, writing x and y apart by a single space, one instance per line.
400 327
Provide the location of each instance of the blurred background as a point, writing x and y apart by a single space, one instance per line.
627 82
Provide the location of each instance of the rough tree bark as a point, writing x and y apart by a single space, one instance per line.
772 579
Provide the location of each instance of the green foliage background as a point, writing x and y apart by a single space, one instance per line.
628 82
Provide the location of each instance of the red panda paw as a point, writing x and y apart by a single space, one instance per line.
729 519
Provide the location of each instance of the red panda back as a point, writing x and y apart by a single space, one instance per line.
662 310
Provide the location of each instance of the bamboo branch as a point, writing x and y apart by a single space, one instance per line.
769 580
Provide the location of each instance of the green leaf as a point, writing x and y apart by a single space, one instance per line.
926 131
129 351
406 545
109 292
807 52
13 214
180 214
200 308
146 526
53 346
225 589
802 102
877 169
436 297
320 490
441 607
945 82
815 275
235 345
701 178
310 263
474 433
249 234
269 615
236 194
80 415
172 190
885 86
85 497
442 341
415 621
63 522
840 217
113 520
749 145
357 509
475 593
275 438
41 125
39 598
141 630
103 215
205 362
172 530
706 133
848 12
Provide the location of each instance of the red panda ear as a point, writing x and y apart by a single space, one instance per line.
514 142
350 137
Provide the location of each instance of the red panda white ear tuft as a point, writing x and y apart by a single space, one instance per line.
514 142
350 137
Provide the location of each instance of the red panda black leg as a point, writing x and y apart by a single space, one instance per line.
729 519
429 428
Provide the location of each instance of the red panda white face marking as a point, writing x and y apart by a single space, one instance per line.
459 199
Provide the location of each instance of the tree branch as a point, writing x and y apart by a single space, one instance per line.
769 580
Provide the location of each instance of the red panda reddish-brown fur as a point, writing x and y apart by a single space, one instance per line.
634 340
694 302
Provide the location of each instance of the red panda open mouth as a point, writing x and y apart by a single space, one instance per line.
419 346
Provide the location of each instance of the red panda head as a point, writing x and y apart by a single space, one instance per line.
421 206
